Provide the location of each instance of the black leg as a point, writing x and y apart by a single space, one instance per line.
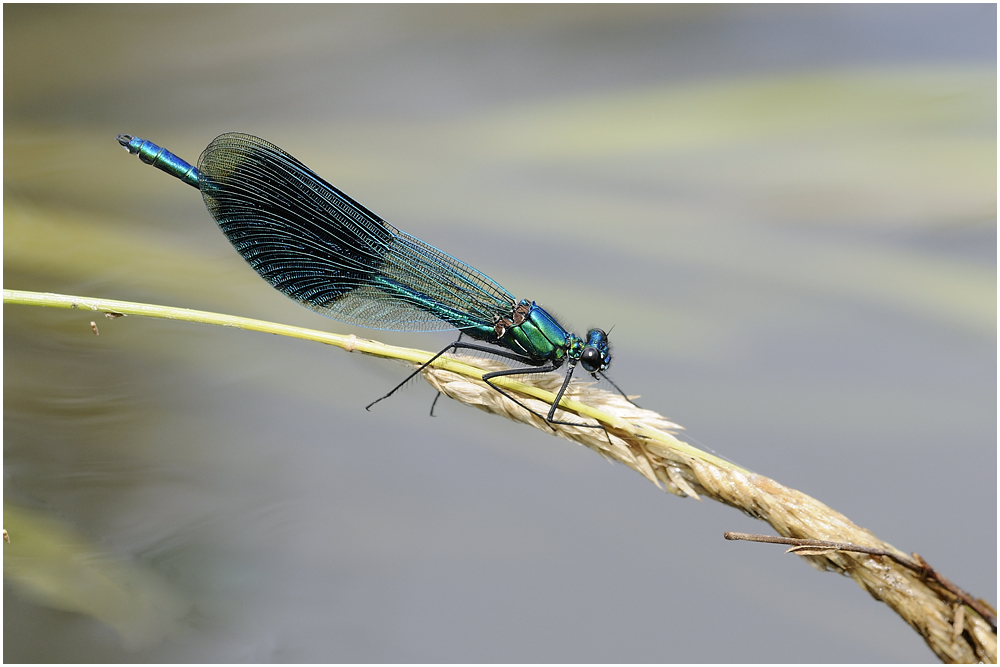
458 344
555 404
562 390
617 388
438 394
550 418
520 371
513 356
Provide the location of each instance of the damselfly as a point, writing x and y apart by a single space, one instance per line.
331 254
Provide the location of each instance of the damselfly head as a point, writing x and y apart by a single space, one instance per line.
596 355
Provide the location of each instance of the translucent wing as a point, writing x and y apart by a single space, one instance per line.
323 249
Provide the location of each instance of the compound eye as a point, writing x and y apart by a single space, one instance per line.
591 359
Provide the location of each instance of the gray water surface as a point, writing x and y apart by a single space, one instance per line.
788 213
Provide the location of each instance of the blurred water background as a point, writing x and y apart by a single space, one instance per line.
788 214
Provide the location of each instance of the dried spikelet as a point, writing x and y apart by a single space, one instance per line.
612 445
647 445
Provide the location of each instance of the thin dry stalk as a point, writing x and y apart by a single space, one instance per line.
642 440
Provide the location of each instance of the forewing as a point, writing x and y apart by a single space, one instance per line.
318 246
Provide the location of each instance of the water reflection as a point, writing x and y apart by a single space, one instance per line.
783 211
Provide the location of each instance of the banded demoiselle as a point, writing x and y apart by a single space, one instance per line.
318 246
